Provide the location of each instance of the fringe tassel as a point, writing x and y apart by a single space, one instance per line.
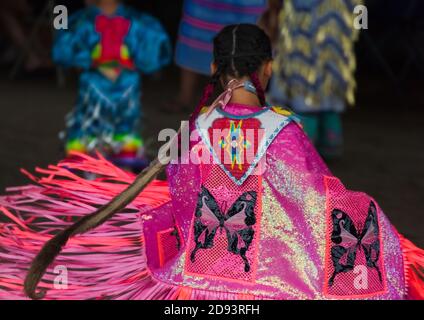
106 263
414 269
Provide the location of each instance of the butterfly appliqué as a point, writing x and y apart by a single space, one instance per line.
237 223
347 240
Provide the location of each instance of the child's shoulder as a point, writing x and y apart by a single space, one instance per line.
287 112
82 16
284 111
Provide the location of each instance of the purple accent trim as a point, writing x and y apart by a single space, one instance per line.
196 44
201 24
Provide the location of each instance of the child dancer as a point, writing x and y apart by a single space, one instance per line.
315 65
252 212
111 44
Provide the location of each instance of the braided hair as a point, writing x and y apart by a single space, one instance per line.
239 51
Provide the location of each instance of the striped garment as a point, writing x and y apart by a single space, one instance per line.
202 19
315 61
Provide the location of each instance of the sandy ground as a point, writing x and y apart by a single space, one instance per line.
384 153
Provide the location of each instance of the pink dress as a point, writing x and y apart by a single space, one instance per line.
254 214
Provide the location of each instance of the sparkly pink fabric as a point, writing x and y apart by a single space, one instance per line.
123 255
356 205
217 261
293 226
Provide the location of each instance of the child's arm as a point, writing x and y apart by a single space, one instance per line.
71 47
149 44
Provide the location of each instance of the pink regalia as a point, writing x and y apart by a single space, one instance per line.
254 214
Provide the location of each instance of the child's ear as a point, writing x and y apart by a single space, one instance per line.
268 69
213 68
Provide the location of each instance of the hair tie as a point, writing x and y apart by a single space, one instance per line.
225 97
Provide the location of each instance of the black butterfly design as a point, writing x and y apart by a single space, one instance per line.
237 222
348 240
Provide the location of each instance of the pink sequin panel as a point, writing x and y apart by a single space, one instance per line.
354 266
218 261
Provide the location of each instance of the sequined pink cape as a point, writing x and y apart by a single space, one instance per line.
147 251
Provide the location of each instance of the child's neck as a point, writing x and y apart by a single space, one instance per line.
244 97
108 8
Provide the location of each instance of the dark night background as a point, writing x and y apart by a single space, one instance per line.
384 131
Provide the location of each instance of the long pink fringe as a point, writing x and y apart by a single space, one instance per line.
414 269
106 263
